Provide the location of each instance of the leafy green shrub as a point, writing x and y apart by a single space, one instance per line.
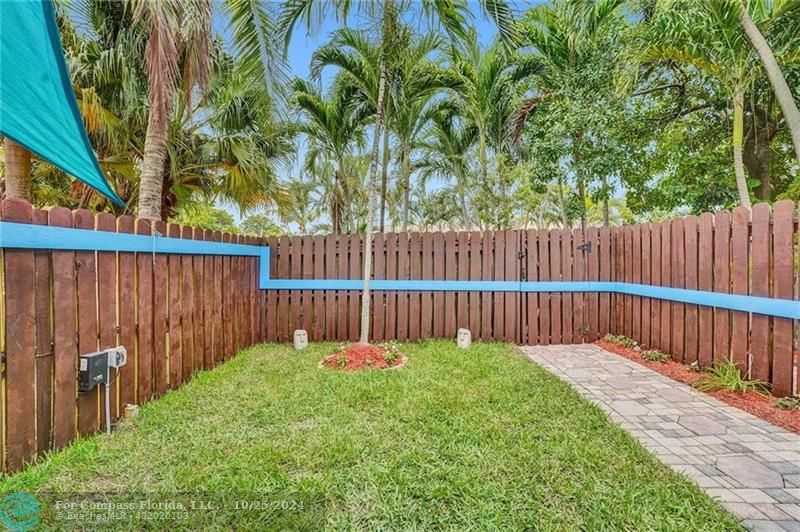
654 355
788 403
726 376
392 351
619 339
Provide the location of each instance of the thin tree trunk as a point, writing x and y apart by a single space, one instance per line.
384 177
738 137
373 192
605 202
464 208
782 91
151 183
582 195
336 211
406 169
562 207
484 159
577 158
18 170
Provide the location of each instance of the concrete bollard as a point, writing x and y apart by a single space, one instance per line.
464 338
300 339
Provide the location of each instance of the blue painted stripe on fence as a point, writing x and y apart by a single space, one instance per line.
782 308
28 236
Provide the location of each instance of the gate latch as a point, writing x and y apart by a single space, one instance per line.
586 247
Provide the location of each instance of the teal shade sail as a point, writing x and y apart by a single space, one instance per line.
37 103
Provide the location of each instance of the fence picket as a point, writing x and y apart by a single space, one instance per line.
759 286
783 240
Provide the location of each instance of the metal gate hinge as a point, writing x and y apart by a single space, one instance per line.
586 247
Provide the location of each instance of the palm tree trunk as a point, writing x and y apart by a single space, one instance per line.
782 91
384 177
336 209
406 169
18 170
151 183
738 138
373 193
464 209
562 206
484 158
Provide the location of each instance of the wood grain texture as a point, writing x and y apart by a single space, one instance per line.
690 275
783 239
65 323
740 272
705 281
759 286
44 340
722 283
20 351
86 265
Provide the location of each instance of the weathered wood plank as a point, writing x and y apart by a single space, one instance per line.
783 286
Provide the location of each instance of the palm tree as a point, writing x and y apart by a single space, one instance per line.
782 91
334 127
417 82
302 209
173 27
247 142
484 94
18 170
388 14
178 51
708 36
413 82
446 149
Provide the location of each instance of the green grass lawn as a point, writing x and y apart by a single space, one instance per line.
477 439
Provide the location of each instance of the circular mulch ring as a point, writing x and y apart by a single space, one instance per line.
360 357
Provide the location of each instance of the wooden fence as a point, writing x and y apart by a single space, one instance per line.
741 252
178 314
514 255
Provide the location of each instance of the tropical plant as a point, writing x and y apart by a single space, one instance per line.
261 225
445 150
570 58
334 126
206 216
708 36
782 92
387 14
727 376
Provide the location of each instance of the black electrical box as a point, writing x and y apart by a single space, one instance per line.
92 370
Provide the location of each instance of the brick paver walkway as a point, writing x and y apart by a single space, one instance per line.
749 465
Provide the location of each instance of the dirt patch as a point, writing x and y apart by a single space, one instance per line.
357 357
761 406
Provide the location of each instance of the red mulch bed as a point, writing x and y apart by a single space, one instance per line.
360 357
756 404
